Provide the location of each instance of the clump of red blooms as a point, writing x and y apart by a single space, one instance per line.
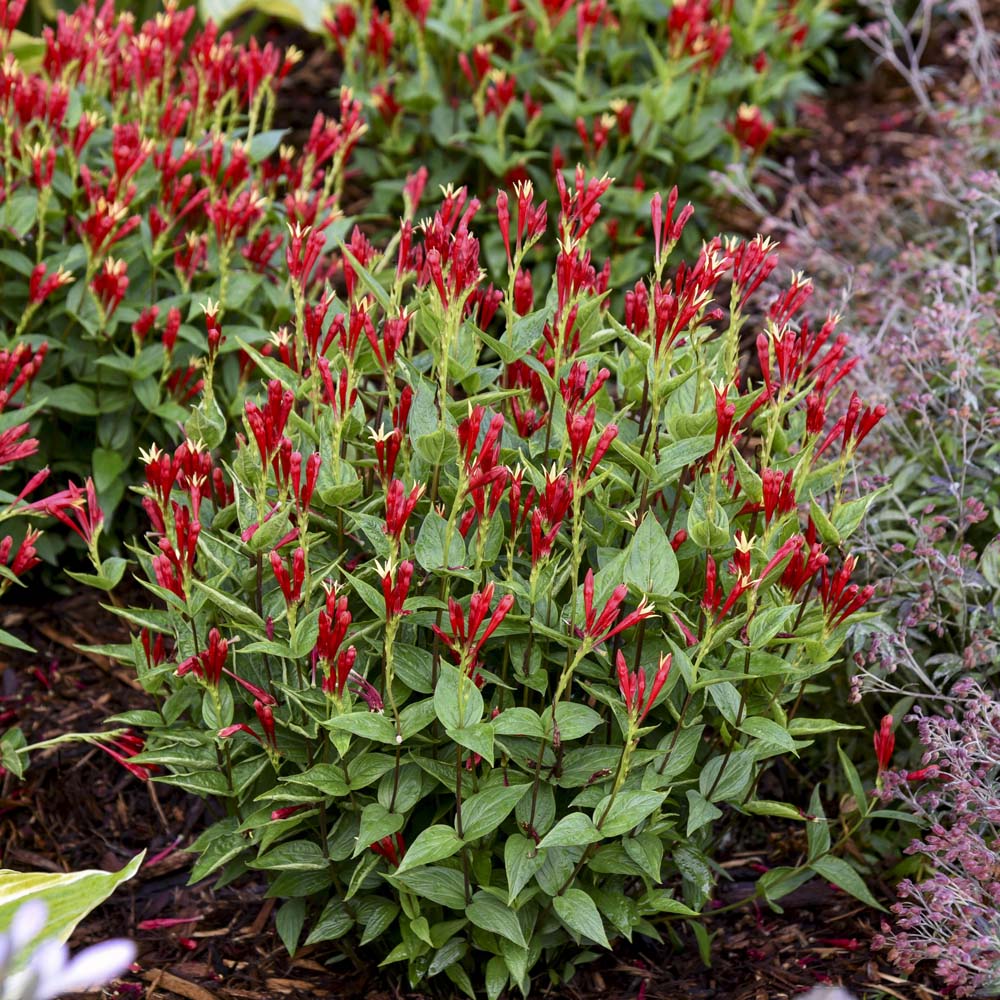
164 201
380 519
77 508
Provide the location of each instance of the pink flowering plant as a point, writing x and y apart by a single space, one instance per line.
144 199
510 91
502 609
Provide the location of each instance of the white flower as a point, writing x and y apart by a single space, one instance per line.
48 971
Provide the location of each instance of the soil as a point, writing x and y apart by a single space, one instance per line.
79 809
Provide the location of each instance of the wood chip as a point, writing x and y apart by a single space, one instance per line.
168 981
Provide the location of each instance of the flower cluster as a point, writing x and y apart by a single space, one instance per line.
146 199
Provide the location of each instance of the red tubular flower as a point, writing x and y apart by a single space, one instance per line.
41 284
779 493
633 686
334 621
480 460
154 649
601 627
87 516
750 129
712 603
395 591
238 727
574 389
12 448
462 641
285 812
26 557
547 518
110 284
305 244
503 219
209 663
841 598
123 748
391 848
291 585
885 741
267 425
794 544
399 506
266 716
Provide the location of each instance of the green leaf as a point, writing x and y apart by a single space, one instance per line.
491 914
766 624
294 856
817 829
853 779
768 807
429 546
368 725
263 144
700 811
651 566
75 398
107 465
376 822
12 642
334 922
478 738
680 455
446 699
629 809
483 812
573 830
842 875
580 914
444 886
521 860
519 722
768 731
574 720
433 844
660 901
812 727
69 897
496 977
238 611
289 920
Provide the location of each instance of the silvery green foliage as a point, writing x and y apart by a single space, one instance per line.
33 967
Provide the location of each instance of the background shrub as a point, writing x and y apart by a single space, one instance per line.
651 94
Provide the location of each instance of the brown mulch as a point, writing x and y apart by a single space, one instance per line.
79 809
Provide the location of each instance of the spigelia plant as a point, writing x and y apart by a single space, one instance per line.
144 197
653 94
507 609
